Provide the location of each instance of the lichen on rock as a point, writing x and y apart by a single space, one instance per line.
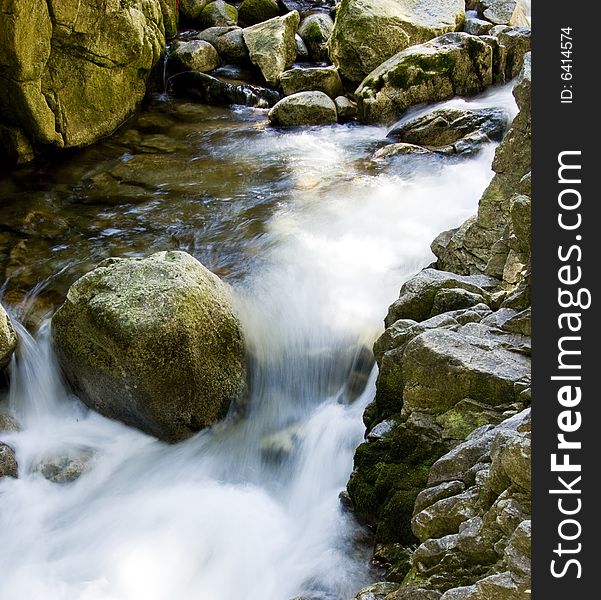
154 343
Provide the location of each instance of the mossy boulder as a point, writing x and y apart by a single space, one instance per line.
71 73
195 55
304 108
256 11
8 462
272 45
218 14
450 65
368 32
494 240
316 30
231 47
154 343
8 339
321 79
190 10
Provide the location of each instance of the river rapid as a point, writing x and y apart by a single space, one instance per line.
316 238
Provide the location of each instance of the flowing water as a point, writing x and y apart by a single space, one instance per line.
316 238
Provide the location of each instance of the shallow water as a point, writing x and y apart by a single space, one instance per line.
316 238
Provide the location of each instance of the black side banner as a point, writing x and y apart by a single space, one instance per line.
565 296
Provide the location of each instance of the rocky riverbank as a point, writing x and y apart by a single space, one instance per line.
443 477
444 474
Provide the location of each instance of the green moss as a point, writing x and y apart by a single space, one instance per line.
389 474
256 11
415 70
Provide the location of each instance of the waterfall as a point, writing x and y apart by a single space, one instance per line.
250 508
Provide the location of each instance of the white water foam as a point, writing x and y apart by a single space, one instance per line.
249 509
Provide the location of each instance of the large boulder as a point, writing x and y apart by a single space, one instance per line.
154 343
272 45
368 32
8 338
72 72
304 108
455 64
195 55
321 79
190 10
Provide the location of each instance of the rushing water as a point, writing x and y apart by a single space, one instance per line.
316 238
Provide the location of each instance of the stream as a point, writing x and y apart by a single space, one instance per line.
316 238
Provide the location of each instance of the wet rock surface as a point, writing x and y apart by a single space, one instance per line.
446 462
71 77
8 338
304 108
154 343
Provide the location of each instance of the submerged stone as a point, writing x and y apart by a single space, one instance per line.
8 462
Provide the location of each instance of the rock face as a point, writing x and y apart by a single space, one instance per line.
452 130
505 12
450 65
368 32
71 73
272 45
482 532
8 339
304 108
154 343
495 241
321 79
316 30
